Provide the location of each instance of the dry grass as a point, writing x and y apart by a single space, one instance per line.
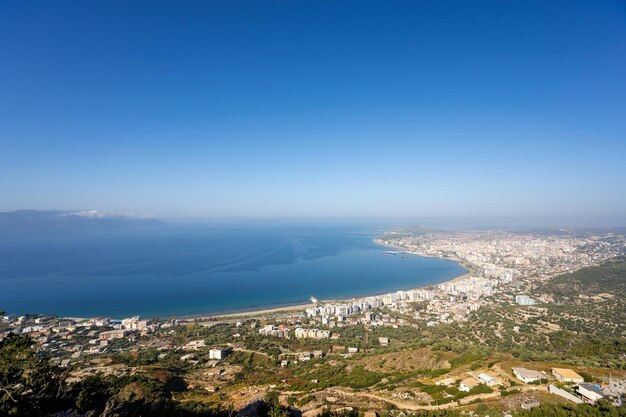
406 361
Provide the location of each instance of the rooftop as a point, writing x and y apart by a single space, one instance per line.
566 373
593 387
528 373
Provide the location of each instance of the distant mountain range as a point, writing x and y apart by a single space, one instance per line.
36 220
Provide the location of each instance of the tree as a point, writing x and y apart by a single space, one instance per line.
94 392
28 384
274 407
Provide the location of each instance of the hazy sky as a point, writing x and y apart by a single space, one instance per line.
315 108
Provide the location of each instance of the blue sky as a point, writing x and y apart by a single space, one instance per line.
315 108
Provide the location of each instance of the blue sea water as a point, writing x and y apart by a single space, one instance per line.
201 269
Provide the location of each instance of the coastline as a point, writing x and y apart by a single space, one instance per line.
259 312
297 307
264 311
460 262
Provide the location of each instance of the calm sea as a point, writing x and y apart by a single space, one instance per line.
201 269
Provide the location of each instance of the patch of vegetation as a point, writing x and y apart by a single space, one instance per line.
29 386
356 377
587 331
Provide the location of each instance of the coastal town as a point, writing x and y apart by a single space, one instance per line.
504 274
508 255
313 208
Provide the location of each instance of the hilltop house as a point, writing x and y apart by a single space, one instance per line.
527 375
591 392
487 379
468 383
567 375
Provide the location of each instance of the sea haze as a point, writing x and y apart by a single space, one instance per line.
195 270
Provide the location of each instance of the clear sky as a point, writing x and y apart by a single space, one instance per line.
315 108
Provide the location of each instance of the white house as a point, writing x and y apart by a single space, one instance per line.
524 300
488 380
567 375
446 381
194 345
527 375
467 384
591 392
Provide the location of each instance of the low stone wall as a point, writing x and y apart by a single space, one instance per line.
562 393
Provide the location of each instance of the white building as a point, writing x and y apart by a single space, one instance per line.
487 380
524 300
194 345
218 353
467 384
527 375
302 333
591 392
567 375
134 323
113 334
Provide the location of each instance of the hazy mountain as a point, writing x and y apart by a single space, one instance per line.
36 220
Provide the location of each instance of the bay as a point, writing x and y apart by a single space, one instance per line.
201 269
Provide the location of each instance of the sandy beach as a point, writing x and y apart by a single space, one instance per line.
300 307
262 312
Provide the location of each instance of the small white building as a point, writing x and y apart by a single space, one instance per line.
194 345
591 392
468 383
218 353
446 382
524 300
567 375
527 375
112 334
488 380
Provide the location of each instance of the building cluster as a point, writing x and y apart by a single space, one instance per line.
446 302
302 333
471 381
472 288
68 340
508 256
285 331
281 331
340 311
503 266
572 386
